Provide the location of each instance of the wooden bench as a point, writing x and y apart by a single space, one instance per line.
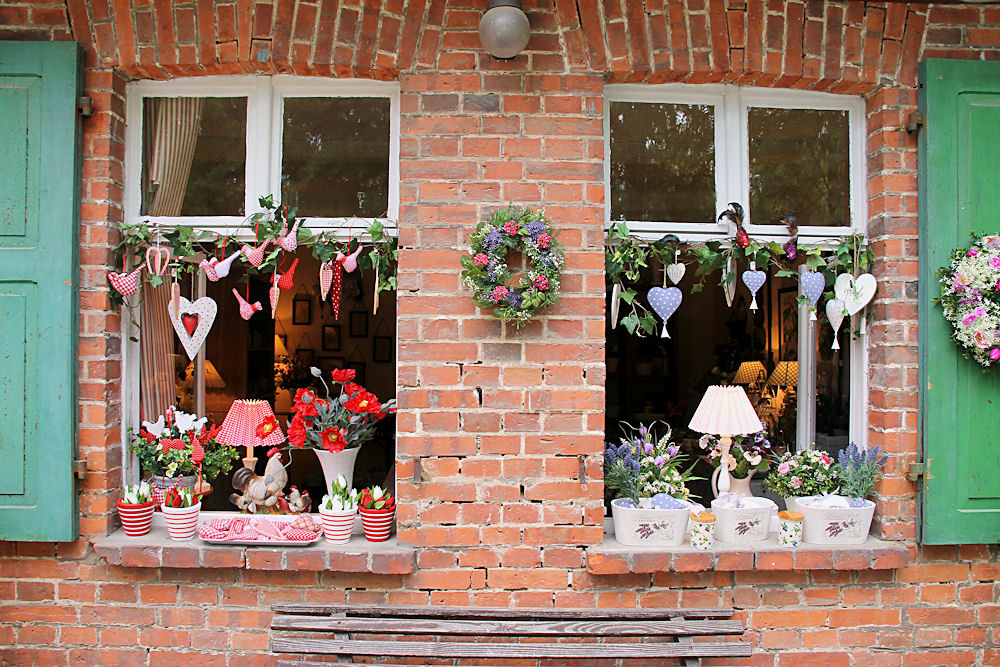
470 633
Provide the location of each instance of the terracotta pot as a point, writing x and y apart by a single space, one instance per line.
377 523
136 518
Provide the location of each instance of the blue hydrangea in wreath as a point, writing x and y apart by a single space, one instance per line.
514 229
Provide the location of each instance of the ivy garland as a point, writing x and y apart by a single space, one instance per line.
970 298
486 273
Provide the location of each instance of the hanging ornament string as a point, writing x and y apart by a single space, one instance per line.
375 263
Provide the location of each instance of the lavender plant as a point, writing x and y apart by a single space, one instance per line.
859 470
642 465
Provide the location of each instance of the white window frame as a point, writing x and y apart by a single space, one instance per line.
732 165
732 183
265 104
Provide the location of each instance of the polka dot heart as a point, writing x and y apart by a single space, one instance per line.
754 280
812 286
665 302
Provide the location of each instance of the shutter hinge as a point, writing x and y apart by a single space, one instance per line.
85 106
914 122
79 468
916 471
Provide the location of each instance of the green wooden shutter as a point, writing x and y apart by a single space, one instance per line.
39 218
959 404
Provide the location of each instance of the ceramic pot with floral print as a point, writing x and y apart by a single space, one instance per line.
742 518
644 525
843 525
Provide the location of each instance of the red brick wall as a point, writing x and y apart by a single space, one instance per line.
498 415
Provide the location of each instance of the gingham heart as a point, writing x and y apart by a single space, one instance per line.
299 535
325 278
126 283
207 532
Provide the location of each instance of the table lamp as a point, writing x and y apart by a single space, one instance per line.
725 412
785 374
751 373
239 428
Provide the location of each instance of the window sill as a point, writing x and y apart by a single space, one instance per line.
157 550
875 554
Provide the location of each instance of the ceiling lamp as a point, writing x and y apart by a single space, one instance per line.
504 29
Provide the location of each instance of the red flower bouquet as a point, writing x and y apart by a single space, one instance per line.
340 421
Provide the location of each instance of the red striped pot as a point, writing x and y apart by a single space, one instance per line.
337 524
182 522
136 518
377 523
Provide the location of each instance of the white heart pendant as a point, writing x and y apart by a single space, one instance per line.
192 322
856 293
835 313
675 272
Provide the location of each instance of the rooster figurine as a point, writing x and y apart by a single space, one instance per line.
260 492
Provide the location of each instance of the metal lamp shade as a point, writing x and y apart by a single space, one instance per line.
504 29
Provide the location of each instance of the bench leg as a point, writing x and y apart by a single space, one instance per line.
688 662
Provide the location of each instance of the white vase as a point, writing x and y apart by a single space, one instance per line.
835 525
792 503
338 463
740 487
645 526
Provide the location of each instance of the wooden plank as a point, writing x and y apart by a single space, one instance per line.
501 612
508 628
508 650
688 662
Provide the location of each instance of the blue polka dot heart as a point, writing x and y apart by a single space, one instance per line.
665 302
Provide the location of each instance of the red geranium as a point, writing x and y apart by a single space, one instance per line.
333 440
266 427
343 374
364 401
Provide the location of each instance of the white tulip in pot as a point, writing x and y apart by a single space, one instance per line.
653 504
845 518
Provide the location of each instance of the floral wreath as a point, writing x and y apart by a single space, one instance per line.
486 272
970 298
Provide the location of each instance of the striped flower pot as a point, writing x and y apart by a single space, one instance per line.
182 522
377 523
136 518
337 524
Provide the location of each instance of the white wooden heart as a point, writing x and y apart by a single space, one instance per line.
856 293
675 272
205 309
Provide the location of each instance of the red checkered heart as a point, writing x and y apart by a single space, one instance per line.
298 535
209 533
198 452
305 522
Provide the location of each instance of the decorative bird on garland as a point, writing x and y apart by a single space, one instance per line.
735 215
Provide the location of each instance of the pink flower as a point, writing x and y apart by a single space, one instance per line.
995 262
795 483
969 319
972 252
979 311
998 286
512 227
784 468
825 459
481 259
500 293
995 354
541 282
544 240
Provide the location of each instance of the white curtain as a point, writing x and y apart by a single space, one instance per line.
170 128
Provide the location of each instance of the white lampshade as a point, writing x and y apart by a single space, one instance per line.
750 372
786 374
725 411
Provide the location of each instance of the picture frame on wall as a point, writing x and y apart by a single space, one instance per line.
331 337
328 364
788 324
302 310
382 349
359 323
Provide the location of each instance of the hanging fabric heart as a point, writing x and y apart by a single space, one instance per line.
157 259
835 311
255 255
246 309
754 280
665 302
192 322
616 292
856 293
350 261
290 241
126 283
274 293
337 285
675 272
730 288
812 286
325 279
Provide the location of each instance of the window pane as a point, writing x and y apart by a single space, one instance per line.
799 161
335 156
662 162
194 156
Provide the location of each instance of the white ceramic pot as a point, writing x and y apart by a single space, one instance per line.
835 525
645 526
338 463
182 522
338 524
743 524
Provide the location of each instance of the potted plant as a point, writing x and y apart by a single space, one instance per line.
166 450
377 508
180 510
653 503
808 473
747 455
335 427
135 508
846 517
337 510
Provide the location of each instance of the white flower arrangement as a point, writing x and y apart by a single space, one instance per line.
340 498
137 494
970 298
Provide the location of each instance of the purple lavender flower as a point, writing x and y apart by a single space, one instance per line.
515 299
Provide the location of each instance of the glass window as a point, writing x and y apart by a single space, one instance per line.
334 156
799 161
662 162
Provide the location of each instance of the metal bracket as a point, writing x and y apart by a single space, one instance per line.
85 106
914 122
916 471
79 468
417 473
583 469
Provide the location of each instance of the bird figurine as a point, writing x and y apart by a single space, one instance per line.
735 215
260 492
297 501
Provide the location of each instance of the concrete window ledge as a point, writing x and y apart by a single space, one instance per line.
614 558
157 550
